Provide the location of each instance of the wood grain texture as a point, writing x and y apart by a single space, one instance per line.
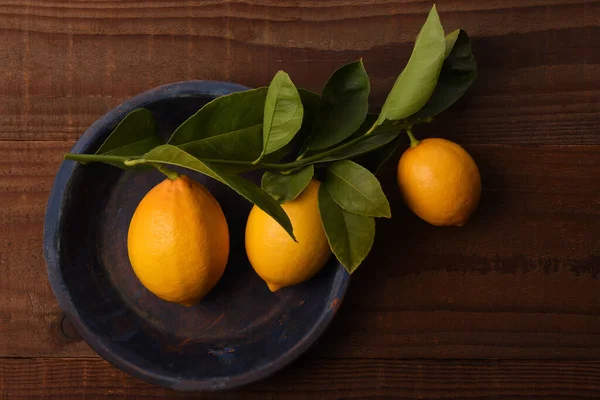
66 63
521 272
520 280
319 380
29 314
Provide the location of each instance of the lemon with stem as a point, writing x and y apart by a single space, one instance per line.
439 181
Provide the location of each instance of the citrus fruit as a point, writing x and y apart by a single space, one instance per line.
178 241
439 181
274 255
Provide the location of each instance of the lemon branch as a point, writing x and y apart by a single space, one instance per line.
85 158
413 142
172 175
289 167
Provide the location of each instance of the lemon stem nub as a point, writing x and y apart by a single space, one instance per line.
172 175
413 142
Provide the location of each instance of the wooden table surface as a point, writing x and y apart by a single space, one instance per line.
506 307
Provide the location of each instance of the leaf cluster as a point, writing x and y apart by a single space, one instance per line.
294 135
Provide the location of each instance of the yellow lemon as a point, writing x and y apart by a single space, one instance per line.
178 241
439 181
275 257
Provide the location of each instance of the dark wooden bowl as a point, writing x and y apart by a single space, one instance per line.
239 333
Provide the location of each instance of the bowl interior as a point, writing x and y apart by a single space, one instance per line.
239 333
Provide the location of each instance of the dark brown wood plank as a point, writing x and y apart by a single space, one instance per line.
29 314
319 379
67 63
520 280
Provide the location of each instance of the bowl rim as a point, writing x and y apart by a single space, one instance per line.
102 346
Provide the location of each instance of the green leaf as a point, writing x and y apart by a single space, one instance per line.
135 135
356 189
365 126
417 81
343 106
286 187
374 160
350 236
241 145
382 135
458 73
283 113
310 102
225 114
172 155
450 41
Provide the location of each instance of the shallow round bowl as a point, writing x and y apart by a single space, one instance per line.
239 333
